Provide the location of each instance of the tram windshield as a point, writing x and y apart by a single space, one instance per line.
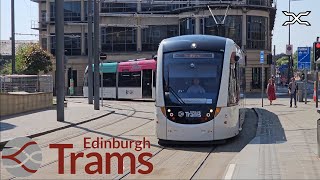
192 77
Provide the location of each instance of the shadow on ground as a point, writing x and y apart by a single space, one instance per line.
6 126
271 131
248 132
3 118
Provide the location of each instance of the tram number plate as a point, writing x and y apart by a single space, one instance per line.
193 114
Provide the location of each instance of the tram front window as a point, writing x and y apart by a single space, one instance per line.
192 78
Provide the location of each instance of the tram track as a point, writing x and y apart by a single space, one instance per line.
119 177
127 172
204 160
94 128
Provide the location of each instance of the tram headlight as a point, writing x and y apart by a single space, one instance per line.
171 114
169 110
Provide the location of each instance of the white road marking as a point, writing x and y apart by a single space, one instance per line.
230 171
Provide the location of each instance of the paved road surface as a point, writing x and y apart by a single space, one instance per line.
133 121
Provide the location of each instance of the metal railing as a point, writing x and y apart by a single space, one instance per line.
26 83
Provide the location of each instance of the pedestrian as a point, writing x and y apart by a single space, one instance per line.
293 92
271 91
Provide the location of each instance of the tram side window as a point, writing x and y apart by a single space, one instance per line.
109 80
233 86
154 78
130 79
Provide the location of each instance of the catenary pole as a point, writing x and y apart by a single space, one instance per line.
13 39
89 40
59 29
96 55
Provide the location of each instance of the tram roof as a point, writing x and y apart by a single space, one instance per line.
131 66
203 42
107 67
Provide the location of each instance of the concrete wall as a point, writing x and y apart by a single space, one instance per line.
18 103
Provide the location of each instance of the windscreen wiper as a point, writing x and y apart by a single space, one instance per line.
176 95
172 91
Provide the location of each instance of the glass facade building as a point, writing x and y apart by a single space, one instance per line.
126 39
130 30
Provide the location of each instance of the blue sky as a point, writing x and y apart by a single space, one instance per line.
301 35
25 12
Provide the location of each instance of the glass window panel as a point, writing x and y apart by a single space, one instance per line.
153 35
72 11
187 26
115 39
109 80
130 79
256 34
232 27
72 44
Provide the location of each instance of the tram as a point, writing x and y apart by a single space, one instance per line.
198 89
133 79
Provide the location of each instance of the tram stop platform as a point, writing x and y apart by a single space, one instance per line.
285 146
37 123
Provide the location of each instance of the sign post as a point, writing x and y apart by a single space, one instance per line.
316 60
262 74
304 63
289 53
101 83
304 58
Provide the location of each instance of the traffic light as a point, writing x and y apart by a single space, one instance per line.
269 59
316 52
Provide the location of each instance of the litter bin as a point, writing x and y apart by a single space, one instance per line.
299 96
300 91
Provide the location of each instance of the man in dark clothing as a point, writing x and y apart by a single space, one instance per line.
293 92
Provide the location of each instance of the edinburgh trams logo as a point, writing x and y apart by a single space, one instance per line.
21 157
296 18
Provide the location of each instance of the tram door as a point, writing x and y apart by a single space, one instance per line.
147 83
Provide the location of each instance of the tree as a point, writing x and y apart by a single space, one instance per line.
36 60
30 59
283 60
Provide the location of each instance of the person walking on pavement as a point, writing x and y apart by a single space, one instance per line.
271 91
293 92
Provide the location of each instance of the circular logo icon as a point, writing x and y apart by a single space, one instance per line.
180 113
21 157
